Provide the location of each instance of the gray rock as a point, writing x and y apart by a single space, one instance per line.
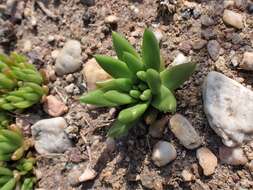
198 44
208 33
232 18
213 48
163 153
232 156
229 108
185 132
206 20
69 58
50 137
207 160
247 61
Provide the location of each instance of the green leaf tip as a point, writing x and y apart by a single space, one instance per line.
151 50
175 76
121 45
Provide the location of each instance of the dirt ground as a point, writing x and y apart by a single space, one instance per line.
130 165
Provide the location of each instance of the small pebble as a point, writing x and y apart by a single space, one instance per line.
54 107
70 78
50 38
247 61
158 34
92 73
180 59
232 156
49 136
185 47
163 153
207 160
213 48
69 58
228 3
198 44
51 74
206 20
27 46
208 33
112 19
185 132
232 18
87 175
187 175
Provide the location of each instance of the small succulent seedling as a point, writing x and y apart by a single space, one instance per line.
139 81
12 144
20 83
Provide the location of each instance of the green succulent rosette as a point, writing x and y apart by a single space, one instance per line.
140 83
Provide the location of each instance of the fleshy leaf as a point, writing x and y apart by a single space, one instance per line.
114 67
175 76
121 45
165 101
133 113
97 98
120 84
146 95
153 80
119 129
133 63
150 51
119 98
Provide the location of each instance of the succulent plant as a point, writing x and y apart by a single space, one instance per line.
8 178
28 94
139 82
4 120
28 183
12 176
20 83
16 68
25 165
12 144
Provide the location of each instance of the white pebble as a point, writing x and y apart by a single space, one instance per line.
87 175
163 153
